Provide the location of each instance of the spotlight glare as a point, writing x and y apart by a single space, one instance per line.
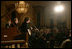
59 8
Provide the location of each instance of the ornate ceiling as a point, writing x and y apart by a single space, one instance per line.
36 3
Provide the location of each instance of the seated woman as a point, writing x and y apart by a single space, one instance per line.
12 23
9 24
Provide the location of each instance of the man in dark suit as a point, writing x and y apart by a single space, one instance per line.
25 28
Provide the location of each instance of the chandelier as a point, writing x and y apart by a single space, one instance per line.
21 7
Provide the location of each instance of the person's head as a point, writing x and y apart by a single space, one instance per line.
41 30
27 20
16 20
55 30
48 30
9 22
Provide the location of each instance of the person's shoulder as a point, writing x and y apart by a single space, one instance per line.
22 24
7 24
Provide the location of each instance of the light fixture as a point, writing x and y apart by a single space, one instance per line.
59 8
22 7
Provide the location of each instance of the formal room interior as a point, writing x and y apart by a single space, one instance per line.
35 24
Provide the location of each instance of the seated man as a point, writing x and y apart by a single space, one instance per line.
25 28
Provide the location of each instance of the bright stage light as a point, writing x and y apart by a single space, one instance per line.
59 8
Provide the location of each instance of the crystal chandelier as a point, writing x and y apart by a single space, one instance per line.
22 7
